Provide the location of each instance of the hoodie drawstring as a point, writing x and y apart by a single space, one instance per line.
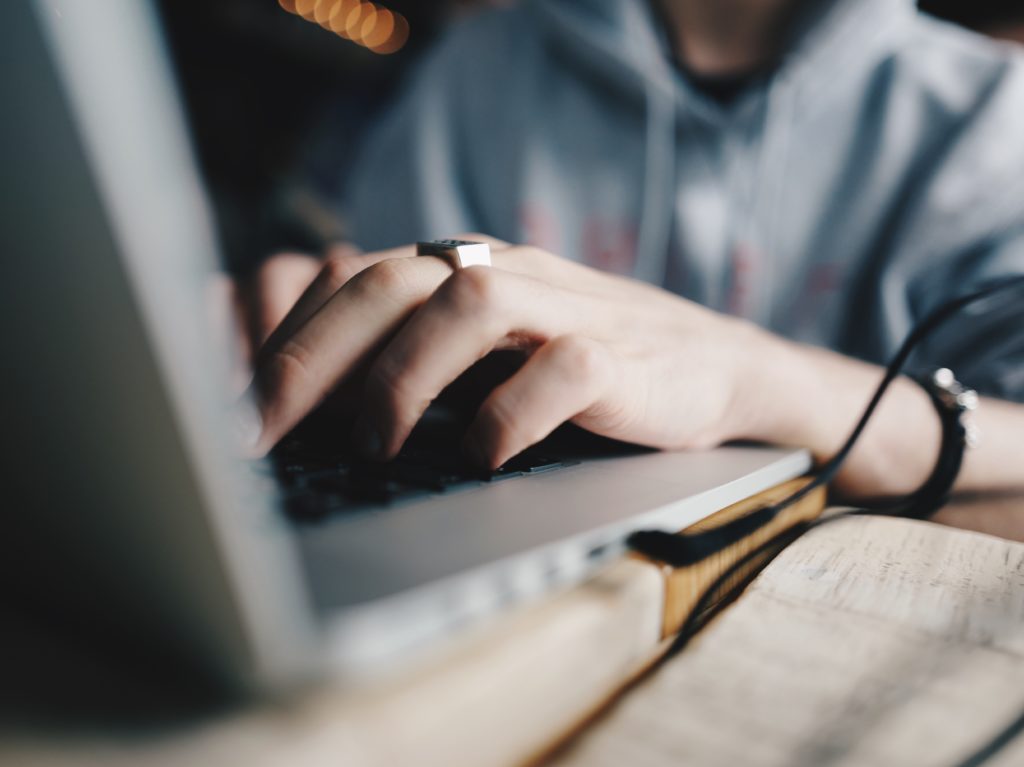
657 202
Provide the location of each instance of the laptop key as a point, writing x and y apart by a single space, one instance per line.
529 463
319 485
311 506
550 464
501 473
387 491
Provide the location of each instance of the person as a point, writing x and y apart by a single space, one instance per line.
753 202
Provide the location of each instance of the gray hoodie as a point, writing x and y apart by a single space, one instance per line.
877 172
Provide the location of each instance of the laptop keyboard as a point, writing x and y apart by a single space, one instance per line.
319 483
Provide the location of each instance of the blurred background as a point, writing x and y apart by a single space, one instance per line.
278 105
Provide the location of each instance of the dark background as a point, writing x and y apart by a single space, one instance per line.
278 104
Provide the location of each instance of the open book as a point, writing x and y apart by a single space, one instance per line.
870 641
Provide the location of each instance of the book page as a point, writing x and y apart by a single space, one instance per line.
870 641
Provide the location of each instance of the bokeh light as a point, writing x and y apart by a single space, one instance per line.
356 17
397 39
321 11
378 33
367 24
339 12
305 8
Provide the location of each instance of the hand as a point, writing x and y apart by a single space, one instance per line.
614 356
267 295
264 298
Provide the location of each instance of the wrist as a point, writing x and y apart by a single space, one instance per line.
772 382
802 396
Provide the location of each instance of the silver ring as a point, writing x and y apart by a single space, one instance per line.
459 253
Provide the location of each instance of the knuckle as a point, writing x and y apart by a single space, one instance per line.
288 368
581 358
473 290
338 270
530 257
385 277
531 261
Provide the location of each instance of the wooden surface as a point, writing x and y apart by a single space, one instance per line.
497 697
502 695
870 641
685 585
998 515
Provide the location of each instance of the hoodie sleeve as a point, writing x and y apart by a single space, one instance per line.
967 230
983 345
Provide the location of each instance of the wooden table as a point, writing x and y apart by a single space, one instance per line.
870 641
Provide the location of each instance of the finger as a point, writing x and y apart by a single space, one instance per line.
294 378
279 351
563 380
342 263
475 311
274 289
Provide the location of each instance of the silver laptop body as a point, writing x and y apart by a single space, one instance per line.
128 516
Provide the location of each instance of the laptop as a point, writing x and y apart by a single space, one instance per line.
132 520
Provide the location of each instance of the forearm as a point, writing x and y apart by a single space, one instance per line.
818 397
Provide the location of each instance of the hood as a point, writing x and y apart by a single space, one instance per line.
622 42
617 41
622 45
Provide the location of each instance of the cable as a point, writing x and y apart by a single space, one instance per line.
1002 739
684 550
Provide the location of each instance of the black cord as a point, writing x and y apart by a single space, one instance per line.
996 744
685 550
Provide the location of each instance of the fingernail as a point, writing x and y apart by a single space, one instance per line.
247 424
366 438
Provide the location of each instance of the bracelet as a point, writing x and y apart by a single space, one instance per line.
955 404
